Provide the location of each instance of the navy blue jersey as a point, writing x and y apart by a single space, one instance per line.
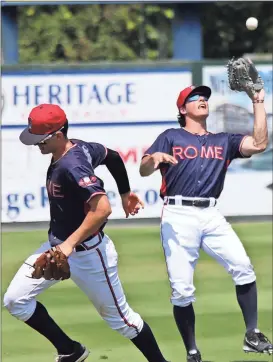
71 183
202 161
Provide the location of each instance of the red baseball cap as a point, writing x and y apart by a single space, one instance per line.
185 93
43 120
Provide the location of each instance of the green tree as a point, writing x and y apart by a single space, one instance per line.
115 32
94 32
225 33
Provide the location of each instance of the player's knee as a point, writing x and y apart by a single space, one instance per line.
18 307
243 272
128 327
130 331
8 301
182 295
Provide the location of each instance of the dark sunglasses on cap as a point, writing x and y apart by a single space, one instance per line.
47 138
196 97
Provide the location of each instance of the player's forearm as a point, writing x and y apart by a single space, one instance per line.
260 132
116 167
147 166
91 224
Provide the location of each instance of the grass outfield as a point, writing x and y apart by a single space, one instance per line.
220 326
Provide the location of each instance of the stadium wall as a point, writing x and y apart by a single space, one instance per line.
125 106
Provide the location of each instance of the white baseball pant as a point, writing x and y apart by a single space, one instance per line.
95 272
186 229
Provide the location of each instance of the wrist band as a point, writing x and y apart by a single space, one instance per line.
258 101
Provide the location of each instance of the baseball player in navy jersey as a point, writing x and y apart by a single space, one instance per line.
79 209
193 163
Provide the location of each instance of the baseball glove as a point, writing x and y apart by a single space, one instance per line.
244 77
51 265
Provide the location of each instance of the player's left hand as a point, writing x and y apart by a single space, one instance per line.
52 265
131 203
244 77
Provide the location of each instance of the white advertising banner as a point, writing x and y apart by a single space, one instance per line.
95 97
248 186
24 171
24 197
101 107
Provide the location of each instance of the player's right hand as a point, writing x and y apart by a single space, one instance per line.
131 203
161 157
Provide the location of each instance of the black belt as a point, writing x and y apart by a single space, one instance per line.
196 203
83 247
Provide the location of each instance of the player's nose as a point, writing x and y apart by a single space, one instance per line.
202 103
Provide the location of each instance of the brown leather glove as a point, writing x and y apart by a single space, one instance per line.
52 265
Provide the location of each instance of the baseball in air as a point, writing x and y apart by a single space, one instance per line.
252 23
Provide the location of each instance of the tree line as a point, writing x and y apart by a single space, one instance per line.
131 32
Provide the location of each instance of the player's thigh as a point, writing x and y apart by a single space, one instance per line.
223 244
23 289
96 274
181 238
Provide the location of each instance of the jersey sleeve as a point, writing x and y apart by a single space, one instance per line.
85 183
99 152
94 152
161 144
234 145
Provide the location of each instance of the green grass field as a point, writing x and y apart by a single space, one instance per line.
220 326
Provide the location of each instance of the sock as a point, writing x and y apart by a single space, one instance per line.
147 344
185 321
45 325
247 299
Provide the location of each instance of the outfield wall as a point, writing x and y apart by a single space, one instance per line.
125 109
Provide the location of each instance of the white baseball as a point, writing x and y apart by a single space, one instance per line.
252 23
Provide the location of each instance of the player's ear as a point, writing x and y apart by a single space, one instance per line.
59 135
183 110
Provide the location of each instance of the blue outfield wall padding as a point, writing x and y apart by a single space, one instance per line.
187 33
9 35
